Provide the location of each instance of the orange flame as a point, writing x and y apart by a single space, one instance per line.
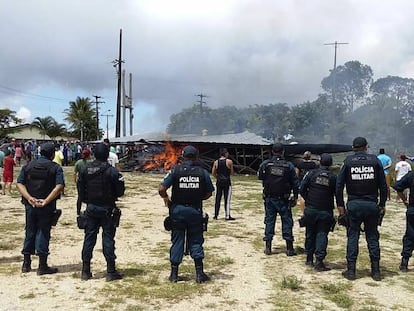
165 160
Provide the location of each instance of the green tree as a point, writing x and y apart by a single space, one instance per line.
82 118
49 126
7 118
348 86
399 89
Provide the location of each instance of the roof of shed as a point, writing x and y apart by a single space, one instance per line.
243 138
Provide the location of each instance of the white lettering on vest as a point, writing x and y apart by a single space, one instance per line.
362 169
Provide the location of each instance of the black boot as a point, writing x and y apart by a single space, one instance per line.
201 277
404 265
27 263
86 271
290 251
320 266
309 260
111 273
43 267
174 273
268 247
350 272
375 271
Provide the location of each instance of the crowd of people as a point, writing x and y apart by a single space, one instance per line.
99 184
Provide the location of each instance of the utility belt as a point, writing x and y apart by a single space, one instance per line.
195 205
364 197
278 197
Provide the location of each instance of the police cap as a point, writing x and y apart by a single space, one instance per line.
326 159
359 142
190 152
277 147
47 150
101 152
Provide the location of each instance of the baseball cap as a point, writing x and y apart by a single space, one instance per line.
277 147
359 142
189 152
326 159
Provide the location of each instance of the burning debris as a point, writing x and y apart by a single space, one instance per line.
163 160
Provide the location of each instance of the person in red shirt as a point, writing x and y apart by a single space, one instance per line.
8 166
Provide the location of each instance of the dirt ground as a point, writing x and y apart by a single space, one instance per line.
242 277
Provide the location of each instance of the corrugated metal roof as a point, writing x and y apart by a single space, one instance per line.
244 138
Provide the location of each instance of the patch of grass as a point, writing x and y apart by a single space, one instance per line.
291 282
337 293
7 227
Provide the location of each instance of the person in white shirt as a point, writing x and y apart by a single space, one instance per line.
112 158
401 169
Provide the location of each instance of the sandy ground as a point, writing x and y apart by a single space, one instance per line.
243 278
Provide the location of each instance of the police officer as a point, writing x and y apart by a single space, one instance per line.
318 190
40 182
100 185
279 179
190 184
407 182
363 176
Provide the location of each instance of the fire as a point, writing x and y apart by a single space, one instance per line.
164 160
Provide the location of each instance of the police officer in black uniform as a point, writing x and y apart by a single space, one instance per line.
191 184
407 182
363 176
279 179
318 190
40 183
99 186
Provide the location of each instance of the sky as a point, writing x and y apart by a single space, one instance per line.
237 52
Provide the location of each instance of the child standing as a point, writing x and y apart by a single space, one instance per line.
8 166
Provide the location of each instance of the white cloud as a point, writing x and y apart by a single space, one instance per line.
24 114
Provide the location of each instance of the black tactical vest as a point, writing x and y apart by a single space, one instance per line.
223 173
411 197
276 181
362 174
99 185
321 190
40 178
188 185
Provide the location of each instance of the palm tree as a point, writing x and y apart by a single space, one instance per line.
82 117
44 124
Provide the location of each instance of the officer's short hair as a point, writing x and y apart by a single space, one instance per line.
101 152
326 159
277 148
359 142
47 150
403 157
190 152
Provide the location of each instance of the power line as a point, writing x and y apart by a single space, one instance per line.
27 94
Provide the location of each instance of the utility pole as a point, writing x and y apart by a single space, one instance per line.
107 126
118 63
201 95
97 102
131 115
124 104
335 44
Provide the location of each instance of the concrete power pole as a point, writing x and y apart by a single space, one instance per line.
131 115
118 63
124 104
97 102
